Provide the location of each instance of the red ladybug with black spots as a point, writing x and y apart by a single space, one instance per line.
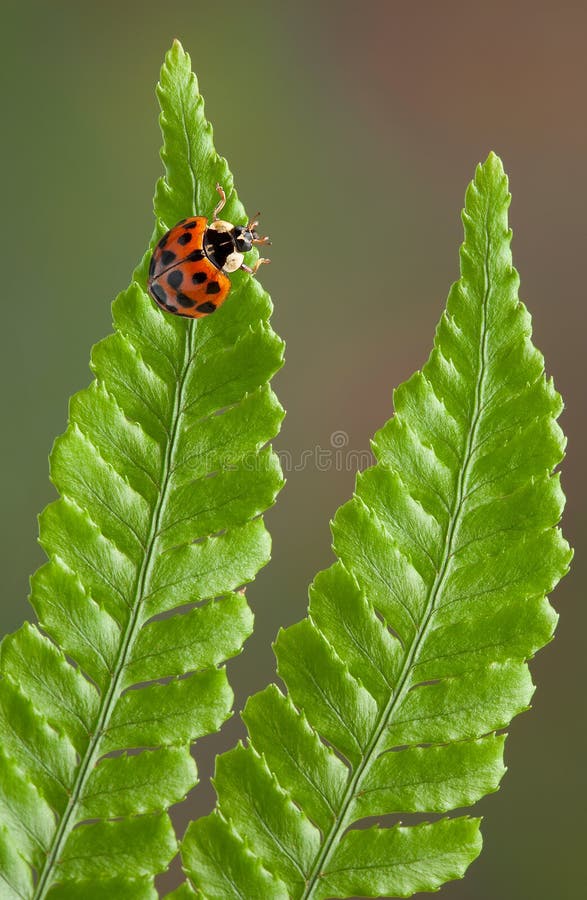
188 273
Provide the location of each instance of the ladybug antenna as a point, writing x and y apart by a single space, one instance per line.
221 203
251 225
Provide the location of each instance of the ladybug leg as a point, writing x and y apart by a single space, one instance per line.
253 270
251 225
221 203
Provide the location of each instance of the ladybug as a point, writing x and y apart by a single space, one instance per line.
188 272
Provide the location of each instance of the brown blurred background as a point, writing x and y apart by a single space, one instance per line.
330 114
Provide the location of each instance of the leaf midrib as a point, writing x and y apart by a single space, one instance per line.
107 707
341 822
69 820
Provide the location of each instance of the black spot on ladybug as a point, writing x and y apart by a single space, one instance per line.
199 277
175 278
158 293
152 265
184 238
163 241
190 224
185 301
207 307
213 288
167 257
170 307
195 256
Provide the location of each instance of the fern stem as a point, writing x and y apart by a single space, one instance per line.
342 821
133 627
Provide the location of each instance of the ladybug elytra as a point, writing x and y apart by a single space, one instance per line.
188 272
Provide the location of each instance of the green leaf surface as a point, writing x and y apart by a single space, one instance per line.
27 819
225 864
15 875
414 652
130 785
163 474
140 844
183 892
105 889
397 862
276 829
198 639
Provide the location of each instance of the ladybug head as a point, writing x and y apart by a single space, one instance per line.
243 238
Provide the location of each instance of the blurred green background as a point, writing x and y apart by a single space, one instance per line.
332 115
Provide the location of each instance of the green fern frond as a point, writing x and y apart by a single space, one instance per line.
414 651
163 473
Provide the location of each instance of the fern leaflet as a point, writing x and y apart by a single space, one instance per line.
413 654
159 514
